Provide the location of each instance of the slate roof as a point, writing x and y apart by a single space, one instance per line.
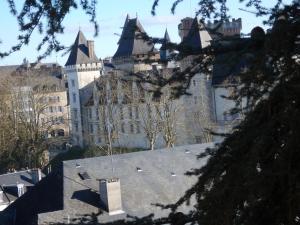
79 52
166 40
9 181
140 190
45 196
132 40
197 38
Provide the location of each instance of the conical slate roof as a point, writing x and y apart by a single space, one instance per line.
132 41
165 41
198 37
80 52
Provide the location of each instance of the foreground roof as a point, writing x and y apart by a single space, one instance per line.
161 181
80 52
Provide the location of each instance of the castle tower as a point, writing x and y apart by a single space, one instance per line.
227 27
164 51
197 36
134 47
82 67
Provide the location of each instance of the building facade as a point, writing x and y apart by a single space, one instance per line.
110 106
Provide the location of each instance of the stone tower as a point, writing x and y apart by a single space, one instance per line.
82 68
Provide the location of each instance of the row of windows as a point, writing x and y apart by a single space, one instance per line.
53 109
51 99
53 120
130 112
133 128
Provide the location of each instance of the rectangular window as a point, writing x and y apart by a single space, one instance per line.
74 97
91 128
60 109
58 99
121 112
97 114
138 130
131 128
99 139
130 112
75 112
137 112
122 128
73 83
195 99
76 126
198 139
51 109
92 139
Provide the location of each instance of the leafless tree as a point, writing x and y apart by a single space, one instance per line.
26 100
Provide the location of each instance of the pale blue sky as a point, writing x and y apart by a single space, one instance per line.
111 15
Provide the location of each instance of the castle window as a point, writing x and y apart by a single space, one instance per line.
137 112
121 112
91 128
194 82
74 97
130 112
75 112
138 130
76 126
122 128
97 114
131 128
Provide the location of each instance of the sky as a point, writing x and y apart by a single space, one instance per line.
111 16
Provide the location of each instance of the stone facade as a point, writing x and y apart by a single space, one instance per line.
110 107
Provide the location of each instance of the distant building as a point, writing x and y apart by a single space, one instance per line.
38 95
96 88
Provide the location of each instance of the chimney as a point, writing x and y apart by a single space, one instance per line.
110 195
90 45
21 189
1 196
36 175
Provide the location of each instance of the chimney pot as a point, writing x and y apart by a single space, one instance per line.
90 45
21 189
36 175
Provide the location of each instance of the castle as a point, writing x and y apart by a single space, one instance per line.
109 106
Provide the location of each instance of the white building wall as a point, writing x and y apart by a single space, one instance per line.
79 76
